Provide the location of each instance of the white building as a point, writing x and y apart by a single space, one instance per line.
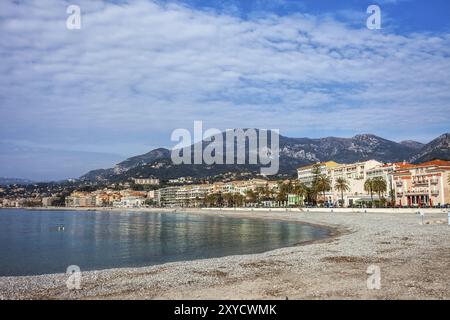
146 181
129 202
355 174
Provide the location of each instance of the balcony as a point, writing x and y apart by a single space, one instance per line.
434 181
434 192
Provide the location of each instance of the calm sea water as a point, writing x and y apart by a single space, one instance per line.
30 242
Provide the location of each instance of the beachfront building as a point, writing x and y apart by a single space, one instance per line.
130 202
192 195
385 172
424 184
49 201
80 199
305 174
354 173
167 197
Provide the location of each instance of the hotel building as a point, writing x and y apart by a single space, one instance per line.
355 174
425 184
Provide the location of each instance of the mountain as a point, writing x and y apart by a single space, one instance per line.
345 150
412 144
294 152
439 148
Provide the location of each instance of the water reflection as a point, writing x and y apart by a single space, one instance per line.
31 243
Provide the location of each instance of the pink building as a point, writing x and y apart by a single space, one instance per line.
424 184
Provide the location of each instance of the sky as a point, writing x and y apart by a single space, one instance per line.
76 100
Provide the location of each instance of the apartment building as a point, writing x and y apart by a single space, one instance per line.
386 171
355 174
243 186
425 184
167 197
49 201
80 199
192 195
305 173
129 202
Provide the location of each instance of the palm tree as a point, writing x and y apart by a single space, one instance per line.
316 171
342 185
323 184
300 190
369 188
379 186
250 196
228 199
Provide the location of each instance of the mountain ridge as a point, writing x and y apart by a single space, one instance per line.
294 152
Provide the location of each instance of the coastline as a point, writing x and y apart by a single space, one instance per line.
330 268
243 209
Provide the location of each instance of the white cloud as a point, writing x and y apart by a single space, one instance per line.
140 68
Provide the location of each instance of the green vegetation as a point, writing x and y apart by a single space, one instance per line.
376 185
342 186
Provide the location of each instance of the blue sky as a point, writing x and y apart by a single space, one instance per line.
75 100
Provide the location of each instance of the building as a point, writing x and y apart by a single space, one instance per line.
130 202
146 181
424 184
180 180
354 173
243 186
80 199
167 197
105 198
49 201
385 172
294 200
305 174
192 195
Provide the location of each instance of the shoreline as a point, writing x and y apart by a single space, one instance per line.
307 270
243 209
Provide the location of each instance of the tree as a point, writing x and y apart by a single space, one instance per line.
316 171
228 199
342 185
379 186
323 184
300 190
283 190
250 196
369 188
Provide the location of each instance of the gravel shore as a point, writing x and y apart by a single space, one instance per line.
414 262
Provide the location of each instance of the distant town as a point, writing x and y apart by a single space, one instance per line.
326 184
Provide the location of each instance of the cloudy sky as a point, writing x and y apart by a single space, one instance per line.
75 100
